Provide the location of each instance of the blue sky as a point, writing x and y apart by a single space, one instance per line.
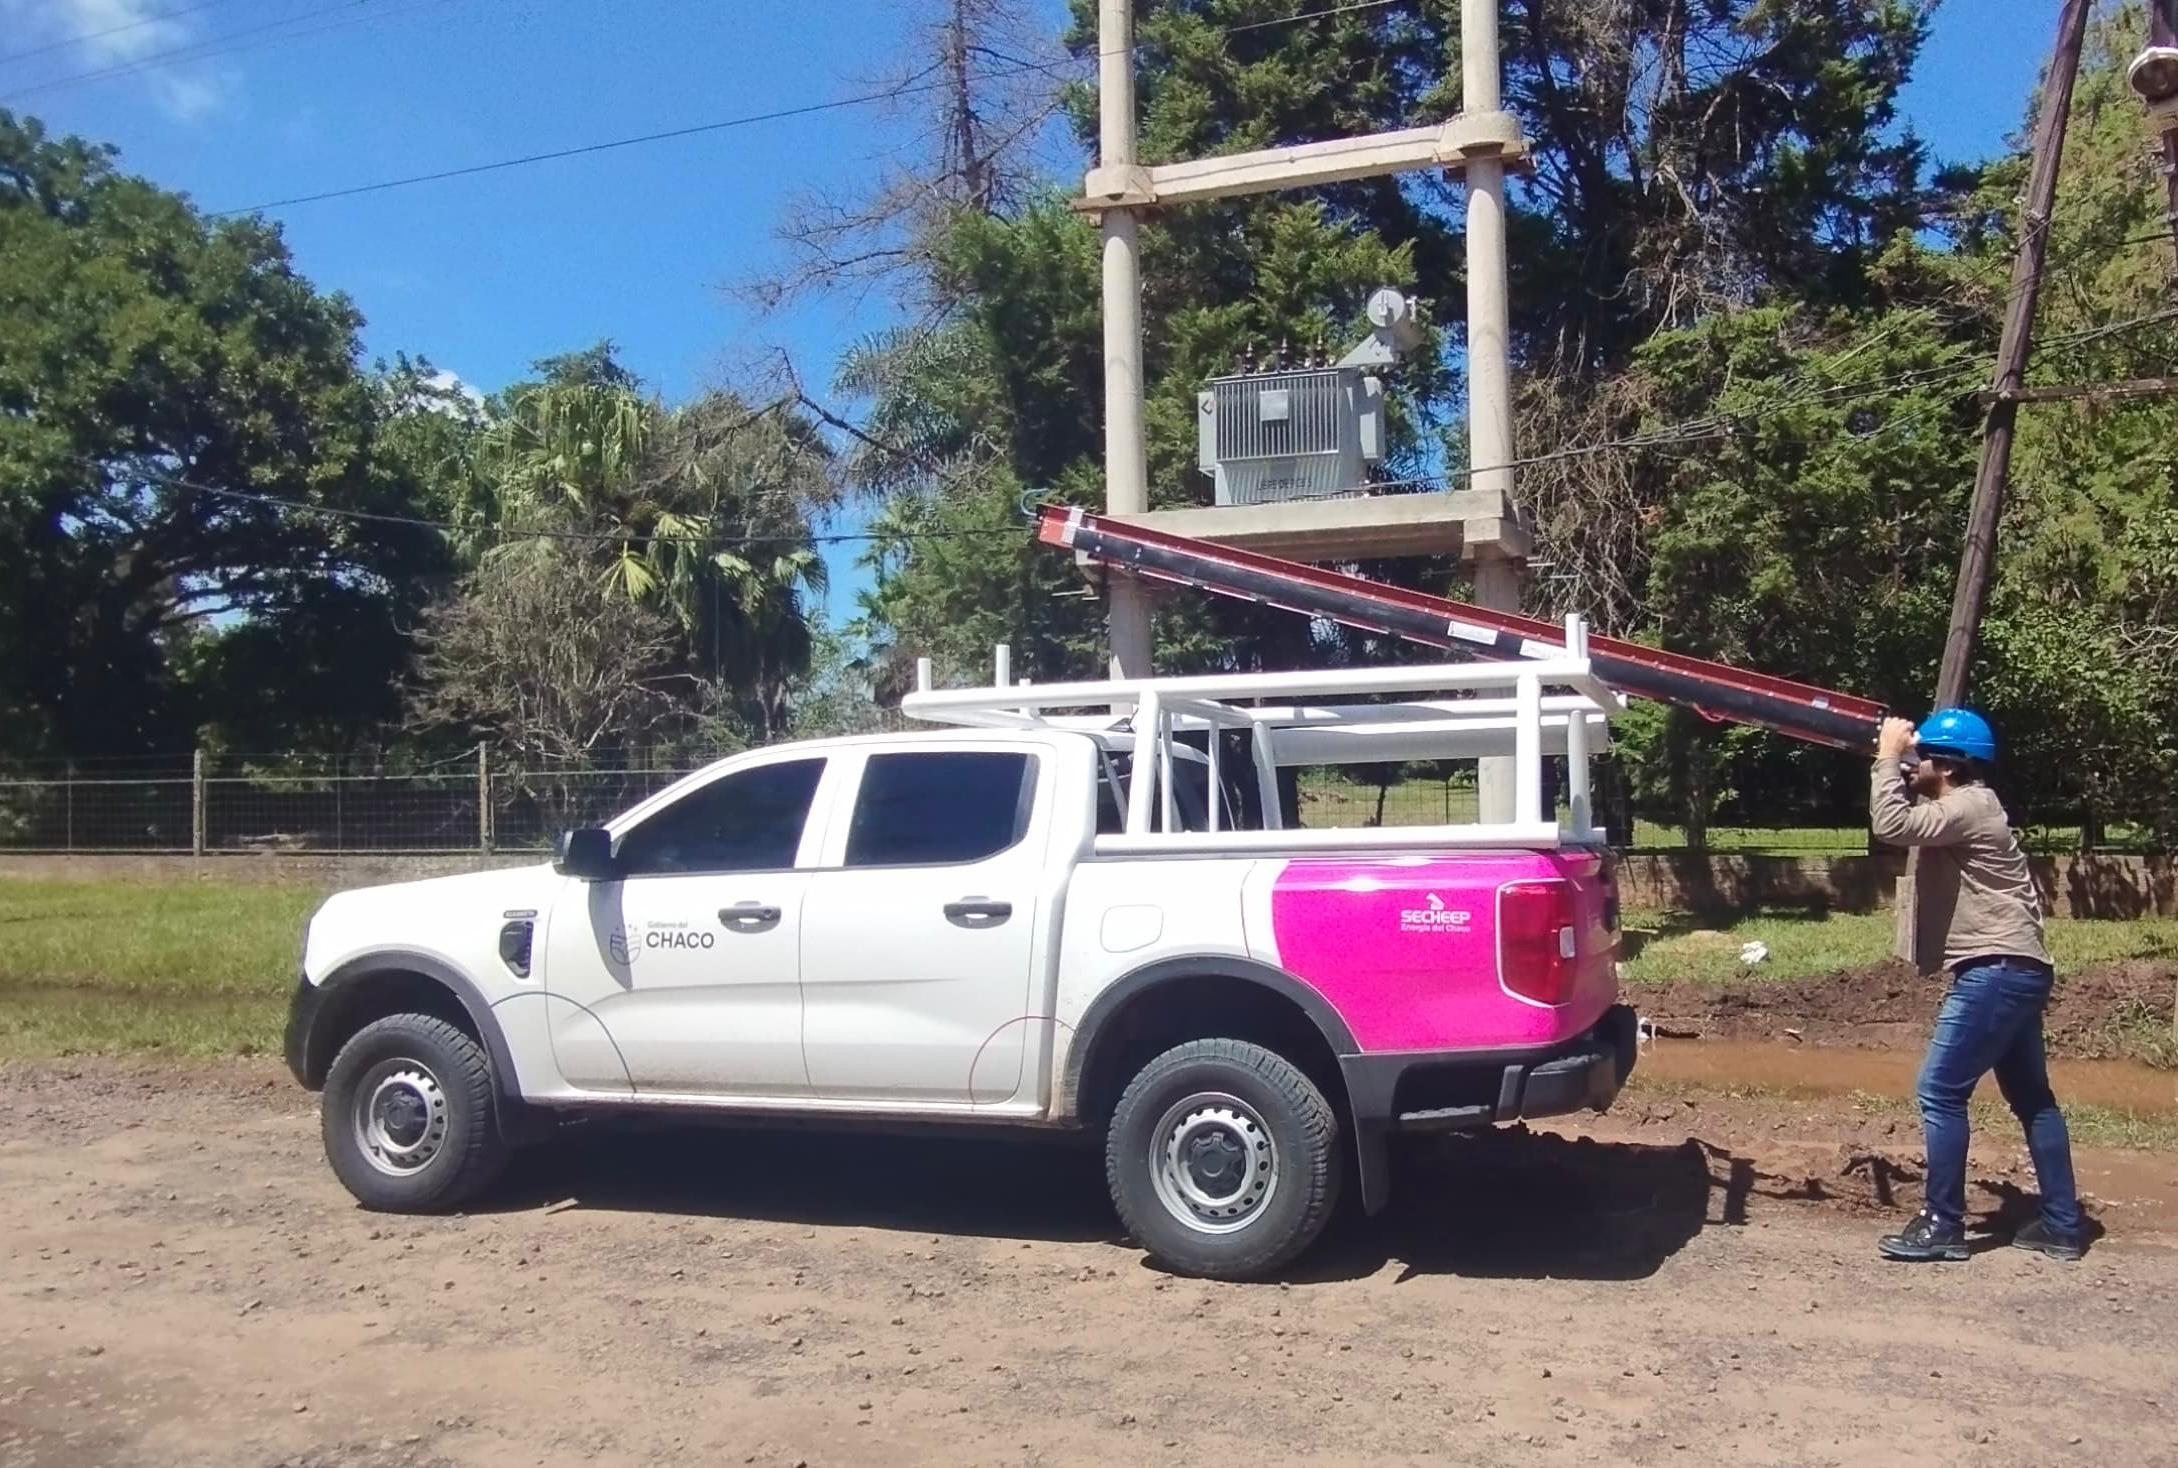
484 274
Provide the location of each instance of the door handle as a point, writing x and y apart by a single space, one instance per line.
977 912
749 917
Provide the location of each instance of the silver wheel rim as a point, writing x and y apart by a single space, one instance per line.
1213 1163
400 1117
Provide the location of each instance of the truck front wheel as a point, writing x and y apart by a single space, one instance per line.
408 1116
1223 1159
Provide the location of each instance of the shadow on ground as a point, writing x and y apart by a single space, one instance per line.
1499 1204
985 1186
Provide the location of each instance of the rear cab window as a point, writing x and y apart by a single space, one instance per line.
940 807
1238 808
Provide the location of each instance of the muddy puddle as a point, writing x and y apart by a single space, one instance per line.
1819 1070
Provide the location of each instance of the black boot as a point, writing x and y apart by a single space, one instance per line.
2040 1237
1924 1241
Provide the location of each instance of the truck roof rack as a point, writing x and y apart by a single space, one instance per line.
1716 690
1530 708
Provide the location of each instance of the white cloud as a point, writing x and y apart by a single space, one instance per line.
449 382
101 35
191 97
444 393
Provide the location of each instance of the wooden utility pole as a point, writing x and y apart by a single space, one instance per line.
2013 349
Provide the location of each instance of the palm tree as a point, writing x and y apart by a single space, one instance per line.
702 513
563 463
764 637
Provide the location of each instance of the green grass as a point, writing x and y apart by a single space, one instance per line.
204 968
1780 840
192 969
1669 946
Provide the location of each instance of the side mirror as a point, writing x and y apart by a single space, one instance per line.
585 854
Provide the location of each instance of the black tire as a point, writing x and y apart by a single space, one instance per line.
1282 1129
433 1119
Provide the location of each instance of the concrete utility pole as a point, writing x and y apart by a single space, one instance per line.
2013 350
1489 358
1481 143
2156 89
1126 454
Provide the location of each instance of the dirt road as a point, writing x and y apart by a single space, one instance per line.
184 1283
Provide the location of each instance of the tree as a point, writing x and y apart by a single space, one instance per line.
971 110
1812 524
744 483
2080 658
1695 158
182 422
1647 172
835 696
543 661
699 515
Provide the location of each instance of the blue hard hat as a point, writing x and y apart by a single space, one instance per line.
1959 733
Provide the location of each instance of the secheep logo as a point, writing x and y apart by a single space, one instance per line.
1434 917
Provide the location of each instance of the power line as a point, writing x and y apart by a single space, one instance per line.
1718 424
864 99
2109 328
1711 426
1257 25
724 124
209 46
507 533
86 37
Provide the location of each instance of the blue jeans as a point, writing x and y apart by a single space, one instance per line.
1992 1020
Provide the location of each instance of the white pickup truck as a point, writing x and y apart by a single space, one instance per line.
1039 918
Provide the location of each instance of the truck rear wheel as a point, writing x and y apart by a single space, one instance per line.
1223 1159
408 1116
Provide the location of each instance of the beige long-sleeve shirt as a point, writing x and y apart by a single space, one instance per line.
1975 896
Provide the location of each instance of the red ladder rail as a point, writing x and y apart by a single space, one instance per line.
1717 690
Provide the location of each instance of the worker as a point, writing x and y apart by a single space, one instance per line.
1979 918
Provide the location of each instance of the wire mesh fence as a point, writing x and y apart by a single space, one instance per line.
479 802
1335 798
308 803
97 813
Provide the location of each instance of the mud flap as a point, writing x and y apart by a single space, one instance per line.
1372 1161
1369 1100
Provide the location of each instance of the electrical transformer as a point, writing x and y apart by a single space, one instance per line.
1303 433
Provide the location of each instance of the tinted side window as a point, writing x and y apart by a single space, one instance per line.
936 808
750 822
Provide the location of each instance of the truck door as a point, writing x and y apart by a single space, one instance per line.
919 932
684 974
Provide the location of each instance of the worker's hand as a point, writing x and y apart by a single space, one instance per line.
1895 741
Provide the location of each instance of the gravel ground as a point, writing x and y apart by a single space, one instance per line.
184 1283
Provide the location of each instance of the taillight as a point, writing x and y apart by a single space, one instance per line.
1536 940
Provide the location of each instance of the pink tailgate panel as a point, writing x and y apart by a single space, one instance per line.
1406 949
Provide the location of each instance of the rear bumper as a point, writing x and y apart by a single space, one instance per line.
1457 1090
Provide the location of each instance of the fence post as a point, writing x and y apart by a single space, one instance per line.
196 804
68 802
483 797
